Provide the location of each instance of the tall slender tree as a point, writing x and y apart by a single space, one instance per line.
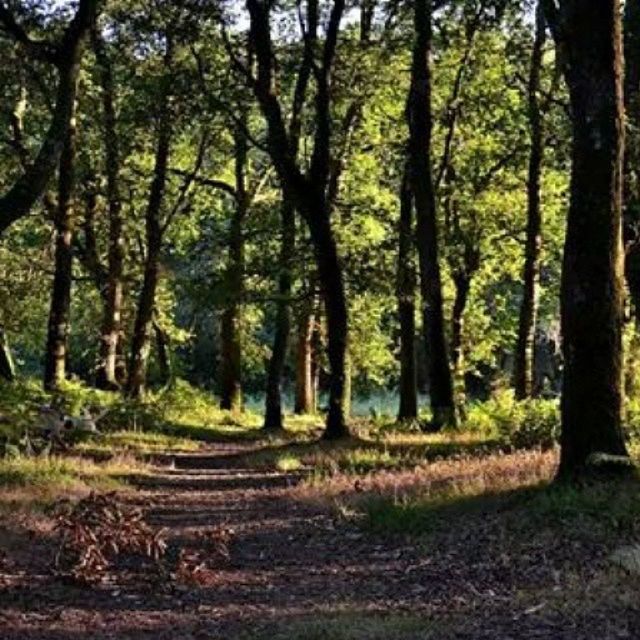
308 190
524 354
419 117
111 371
56 353
231 329
140 341
405 292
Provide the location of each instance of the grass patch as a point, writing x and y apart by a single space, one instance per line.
288 462
351 626
592 512
44 479
136 442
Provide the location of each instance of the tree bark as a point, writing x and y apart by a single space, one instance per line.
163 351
309 190
525 347
462 283
335 303
140 342
110 375
406 290
7 366
592 278
420 128
231 330
305 388
55 368
273 420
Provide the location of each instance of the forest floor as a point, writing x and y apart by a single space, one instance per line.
466 546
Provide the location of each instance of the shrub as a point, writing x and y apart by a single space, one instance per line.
523 424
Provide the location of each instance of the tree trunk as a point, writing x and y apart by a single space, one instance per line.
7 366
273 411
592 278
420 128
231 330
525 347
163 352
140 342
335 303
109 375
462 283
406 289
305 389
55 369
631 213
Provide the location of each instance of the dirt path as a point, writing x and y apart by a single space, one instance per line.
296 570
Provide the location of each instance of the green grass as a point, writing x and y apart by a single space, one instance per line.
354 626
135 442
44 479
593 512
288 462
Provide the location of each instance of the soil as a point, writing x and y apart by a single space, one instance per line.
294 562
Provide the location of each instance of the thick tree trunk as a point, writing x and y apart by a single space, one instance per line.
55 367
231 329
420 127
592 278
406 291
305 388
631 213
109 374
273 410
524 356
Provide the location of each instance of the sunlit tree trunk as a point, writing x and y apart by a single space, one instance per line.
462 284
7 366
525 347
305 387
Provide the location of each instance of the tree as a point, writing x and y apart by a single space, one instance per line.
55 367
406 288
589 42
66 56
231 333
524 354
419 119
111 371
309 190
154 229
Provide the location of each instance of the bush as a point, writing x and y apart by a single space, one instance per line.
523 424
